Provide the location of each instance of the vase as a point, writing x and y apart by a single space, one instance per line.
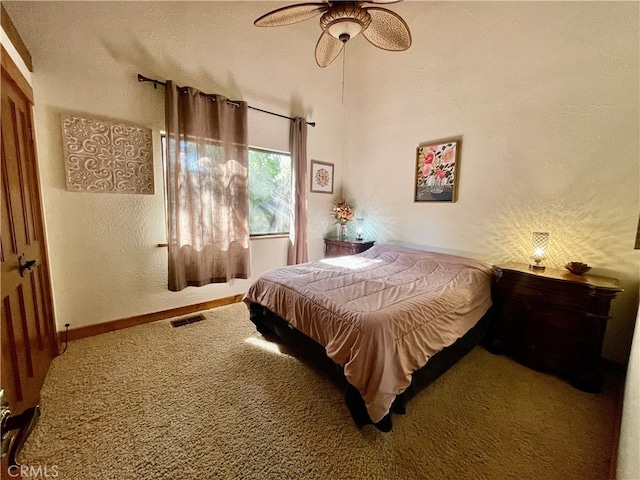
438 185
342 231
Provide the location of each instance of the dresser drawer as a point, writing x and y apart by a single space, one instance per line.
563 322
548 340
557 297
553 360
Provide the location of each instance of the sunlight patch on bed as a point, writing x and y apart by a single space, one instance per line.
352 262
264 345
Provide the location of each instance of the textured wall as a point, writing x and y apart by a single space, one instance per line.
544 95
545 98
104 259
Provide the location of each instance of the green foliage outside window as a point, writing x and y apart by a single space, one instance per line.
269 192
269 185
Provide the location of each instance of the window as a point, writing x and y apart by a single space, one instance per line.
269 192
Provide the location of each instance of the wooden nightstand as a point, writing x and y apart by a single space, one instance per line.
334 247
553 320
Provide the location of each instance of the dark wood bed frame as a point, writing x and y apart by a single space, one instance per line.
268 323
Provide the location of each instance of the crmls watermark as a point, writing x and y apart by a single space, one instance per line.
33 471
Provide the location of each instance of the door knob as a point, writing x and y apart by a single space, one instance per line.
26 265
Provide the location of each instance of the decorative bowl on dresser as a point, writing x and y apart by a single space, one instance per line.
553 321
334 247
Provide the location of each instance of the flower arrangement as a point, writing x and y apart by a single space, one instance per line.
342 211
436 165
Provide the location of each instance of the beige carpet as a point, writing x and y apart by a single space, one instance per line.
214 400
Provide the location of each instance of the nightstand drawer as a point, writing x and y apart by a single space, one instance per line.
334 247
340 249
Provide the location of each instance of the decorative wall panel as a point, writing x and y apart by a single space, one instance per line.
108 157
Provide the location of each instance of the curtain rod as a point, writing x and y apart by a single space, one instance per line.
142 78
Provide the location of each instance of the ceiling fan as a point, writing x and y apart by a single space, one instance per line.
342 21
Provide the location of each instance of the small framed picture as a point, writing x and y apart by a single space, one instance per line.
436 171
321 177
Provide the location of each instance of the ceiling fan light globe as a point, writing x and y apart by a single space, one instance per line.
340 28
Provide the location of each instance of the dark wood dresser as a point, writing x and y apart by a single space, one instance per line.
553 320
334 247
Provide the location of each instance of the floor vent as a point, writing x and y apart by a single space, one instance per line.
185 321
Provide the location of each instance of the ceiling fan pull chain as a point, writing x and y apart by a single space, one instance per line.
344 57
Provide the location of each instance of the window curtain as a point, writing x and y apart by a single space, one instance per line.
207 188
298 231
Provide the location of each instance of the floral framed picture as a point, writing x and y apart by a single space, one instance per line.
321 177
437 171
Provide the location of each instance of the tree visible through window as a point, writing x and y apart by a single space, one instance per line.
269 192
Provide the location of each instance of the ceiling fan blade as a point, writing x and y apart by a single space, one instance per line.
327 49
291 14
381 1
387 30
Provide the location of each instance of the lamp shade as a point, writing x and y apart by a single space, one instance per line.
359 228
539 246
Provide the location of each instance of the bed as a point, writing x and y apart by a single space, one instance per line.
391 318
